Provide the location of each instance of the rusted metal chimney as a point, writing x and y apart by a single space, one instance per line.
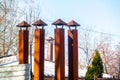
73 51
39 35
59 50
50 48
23 43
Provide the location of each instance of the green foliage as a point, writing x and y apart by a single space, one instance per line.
96 69
89 73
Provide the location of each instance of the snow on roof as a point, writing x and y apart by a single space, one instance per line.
7 61
49 68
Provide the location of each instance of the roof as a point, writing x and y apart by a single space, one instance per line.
59 22
39 23
73 23
23 24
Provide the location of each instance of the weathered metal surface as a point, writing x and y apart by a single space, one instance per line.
23 24
73 55
23 47
73 23
39 54
59 22
59 55
39 23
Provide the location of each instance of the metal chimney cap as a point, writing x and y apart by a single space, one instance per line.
72 23
59 22
23 24
39 23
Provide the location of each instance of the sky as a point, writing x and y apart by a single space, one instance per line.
99 15
102 15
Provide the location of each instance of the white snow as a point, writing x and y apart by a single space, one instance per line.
107 75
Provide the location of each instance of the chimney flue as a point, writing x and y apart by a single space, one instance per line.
50 48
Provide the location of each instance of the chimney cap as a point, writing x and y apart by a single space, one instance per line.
72 23
59 22
23 24
39 23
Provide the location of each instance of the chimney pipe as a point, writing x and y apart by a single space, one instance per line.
50 48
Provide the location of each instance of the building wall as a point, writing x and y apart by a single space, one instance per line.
16 72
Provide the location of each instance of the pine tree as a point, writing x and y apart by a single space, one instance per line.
96 69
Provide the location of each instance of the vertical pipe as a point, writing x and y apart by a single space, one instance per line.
39 54
50 50
23 46
59 54
73 54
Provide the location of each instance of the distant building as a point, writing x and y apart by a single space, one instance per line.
49 55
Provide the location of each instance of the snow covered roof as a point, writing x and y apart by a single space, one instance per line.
7 61
49 67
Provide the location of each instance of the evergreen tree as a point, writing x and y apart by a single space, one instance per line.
89 75
96 69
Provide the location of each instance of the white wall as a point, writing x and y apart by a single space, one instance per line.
16 72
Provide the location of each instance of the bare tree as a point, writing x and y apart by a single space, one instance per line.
117 61
85 43
7 30
110 57
12 12
89 41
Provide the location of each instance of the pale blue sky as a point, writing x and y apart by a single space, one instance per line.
103 15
